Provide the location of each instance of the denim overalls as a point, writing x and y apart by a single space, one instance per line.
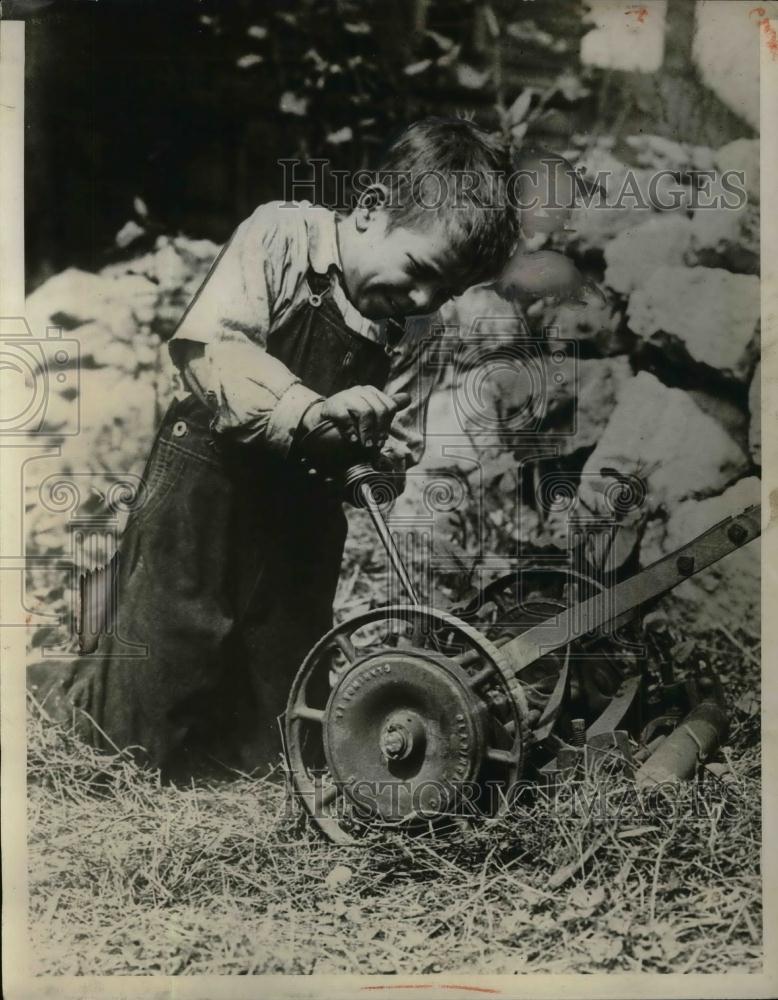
227 573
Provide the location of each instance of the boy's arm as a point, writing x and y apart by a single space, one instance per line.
414 372
220 345
220 342
256 399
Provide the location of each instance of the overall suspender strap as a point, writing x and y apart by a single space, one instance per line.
320 286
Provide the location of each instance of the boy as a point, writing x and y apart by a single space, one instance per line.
228 569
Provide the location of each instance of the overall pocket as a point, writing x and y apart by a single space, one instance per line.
162 473
181 441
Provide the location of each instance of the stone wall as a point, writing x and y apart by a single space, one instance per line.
691 68
651 418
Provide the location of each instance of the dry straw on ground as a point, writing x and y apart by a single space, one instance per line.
130 877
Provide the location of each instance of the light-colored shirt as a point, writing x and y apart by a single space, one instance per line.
256 284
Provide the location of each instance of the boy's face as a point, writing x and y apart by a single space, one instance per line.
404 271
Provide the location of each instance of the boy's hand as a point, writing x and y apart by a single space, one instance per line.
362 413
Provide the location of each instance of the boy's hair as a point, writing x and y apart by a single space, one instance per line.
453 170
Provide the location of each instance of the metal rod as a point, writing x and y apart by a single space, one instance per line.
655 580
385 535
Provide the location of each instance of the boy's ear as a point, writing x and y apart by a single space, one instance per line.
370 201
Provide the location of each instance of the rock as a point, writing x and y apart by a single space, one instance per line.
623 43
729 415
691 517
729 590
142 265
481 320
447 441
61 415
515 406
599 388
726 238
656 151
129 232
592 227
158 286
664 154
660 436
531 276
595 390
593 323
139 293
634 255
742 155
483 416
73 298
483 334
494 410
710 314
201 251
102 442
631 196
169 266
755 408
711 227
117 416
101 349
663 449
109 425
664 193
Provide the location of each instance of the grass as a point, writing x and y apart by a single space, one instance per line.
130 877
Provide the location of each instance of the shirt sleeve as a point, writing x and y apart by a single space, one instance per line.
415 371
257 399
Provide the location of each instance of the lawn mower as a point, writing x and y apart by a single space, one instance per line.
407 716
